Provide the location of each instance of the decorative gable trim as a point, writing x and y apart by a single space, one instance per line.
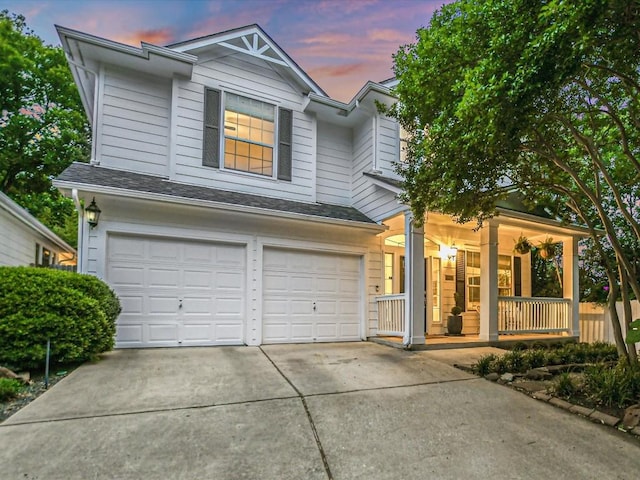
251 40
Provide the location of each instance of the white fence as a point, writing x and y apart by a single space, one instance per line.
533 315
391 314
595 322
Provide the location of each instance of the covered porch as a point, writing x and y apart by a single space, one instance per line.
429 270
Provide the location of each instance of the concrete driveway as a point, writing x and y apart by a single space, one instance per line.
332 411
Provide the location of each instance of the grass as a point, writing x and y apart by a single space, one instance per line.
9 388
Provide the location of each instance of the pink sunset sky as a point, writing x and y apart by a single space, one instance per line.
340 43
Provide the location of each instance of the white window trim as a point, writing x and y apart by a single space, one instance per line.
222 167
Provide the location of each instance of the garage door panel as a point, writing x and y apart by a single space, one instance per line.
129 334
126 248
229 281
126 276
301 331
301 307
162 332
197 279
162 304
229 306
163 277
132 303
293 281
228 332
153 276
164 251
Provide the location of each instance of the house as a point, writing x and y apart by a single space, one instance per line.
26 241
240 204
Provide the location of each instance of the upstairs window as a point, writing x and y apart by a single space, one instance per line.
249 127
252 141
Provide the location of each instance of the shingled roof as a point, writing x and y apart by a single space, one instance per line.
92 175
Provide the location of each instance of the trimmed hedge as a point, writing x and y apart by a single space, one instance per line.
77 312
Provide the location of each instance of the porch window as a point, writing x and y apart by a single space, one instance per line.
388 273
505 276
250 142
473 280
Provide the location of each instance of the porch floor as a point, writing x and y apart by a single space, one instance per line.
439 342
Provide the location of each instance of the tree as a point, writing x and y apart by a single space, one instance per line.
540 97
43 128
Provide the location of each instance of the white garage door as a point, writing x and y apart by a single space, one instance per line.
177 292
310 297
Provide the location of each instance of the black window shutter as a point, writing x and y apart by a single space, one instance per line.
517 276
211 134
461 281
285 132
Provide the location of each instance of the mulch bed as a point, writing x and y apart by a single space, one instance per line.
31 391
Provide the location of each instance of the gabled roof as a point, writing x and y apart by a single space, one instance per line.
92 178
33 223
251 40
86 52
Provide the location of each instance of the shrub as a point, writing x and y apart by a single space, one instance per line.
500 365
514 361
618 386
534 359
484 364
9 388
564 385
519 346
601 352
70 309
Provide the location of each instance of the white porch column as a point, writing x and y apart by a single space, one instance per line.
489 281
570 283
414 282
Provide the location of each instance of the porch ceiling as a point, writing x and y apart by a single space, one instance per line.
442 230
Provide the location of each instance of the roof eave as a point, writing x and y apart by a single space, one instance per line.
123 192
25 217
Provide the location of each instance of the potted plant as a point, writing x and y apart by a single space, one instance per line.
523 245
547 248
454 321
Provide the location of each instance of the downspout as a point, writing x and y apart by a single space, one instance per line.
76 202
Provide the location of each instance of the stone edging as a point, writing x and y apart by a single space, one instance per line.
592 414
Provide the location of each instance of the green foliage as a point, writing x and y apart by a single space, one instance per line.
43 128
564 385
9 388
613 387
514 361
77 312
537 97
484 365
633 335
534 358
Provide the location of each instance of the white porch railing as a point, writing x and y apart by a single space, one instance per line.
533 315
391 314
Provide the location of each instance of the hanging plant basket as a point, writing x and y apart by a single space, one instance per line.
523 245
547 248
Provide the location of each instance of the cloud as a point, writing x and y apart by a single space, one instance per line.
328 39
158 36
338 70
388 35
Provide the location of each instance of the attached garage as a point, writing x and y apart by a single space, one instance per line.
176 292
311 297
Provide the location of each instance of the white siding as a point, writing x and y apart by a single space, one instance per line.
376 202
133 128
334 164
253 78
255 232
18 241
388 140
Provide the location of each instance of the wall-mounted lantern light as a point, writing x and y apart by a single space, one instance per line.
93 213
448 253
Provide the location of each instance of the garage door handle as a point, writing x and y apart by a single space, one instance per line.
314 306
180 305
